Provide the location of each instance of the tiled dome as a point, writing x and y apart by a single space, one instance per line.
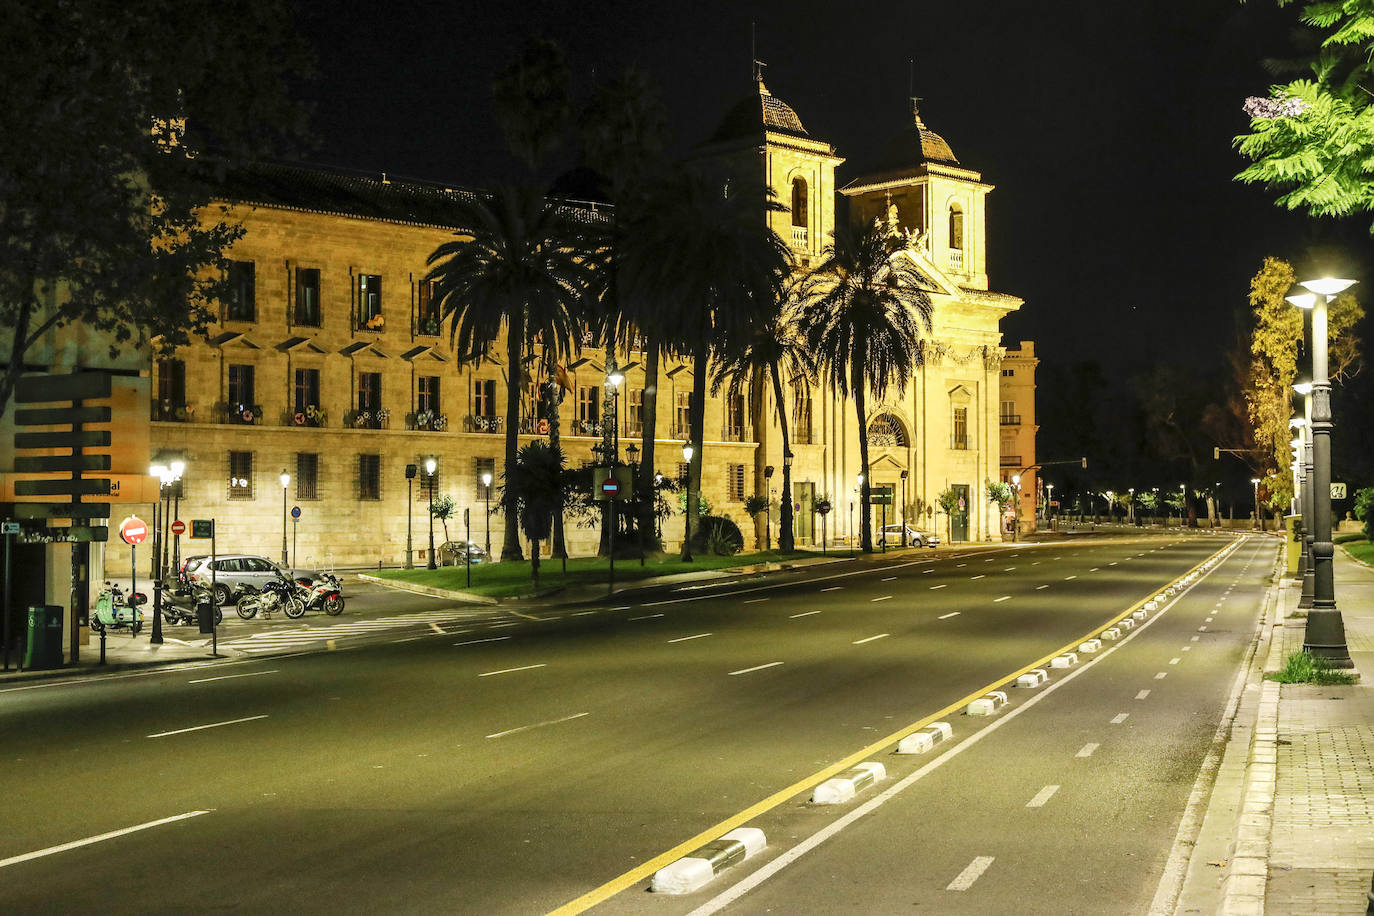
758 113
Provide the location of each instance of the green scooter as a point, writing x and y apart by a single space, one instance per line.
113 611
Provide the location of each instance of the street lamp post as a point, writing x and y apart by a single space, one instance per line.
904 504
1255 482
430 466
1182 505
285 479
166 474
486 497
1049 505
411 471
1325 635
687 453
1130 507
1015 507
1309 574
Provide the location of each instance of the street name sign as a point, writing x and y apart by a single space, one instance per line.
61 510
202 527
9 527
77 386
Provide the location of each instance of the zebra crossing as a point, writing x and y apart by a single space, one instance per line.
304 637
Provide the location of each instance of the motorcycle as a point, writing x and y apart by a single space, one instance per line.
115 611
278 593
174 613
322 595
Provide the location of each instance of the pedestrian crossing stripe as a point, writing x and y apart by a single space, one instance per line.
306 635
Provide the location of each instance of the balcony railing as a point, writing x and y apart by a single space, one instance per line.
681 431
801 435
172 412
308 415
735 433
956 258
1010 461
427 326
478 423
962 444
368 419
427 420
1010 419
799 237
587 428
239 414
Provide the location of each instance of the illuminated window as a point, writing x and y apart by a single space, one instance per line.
799 203
369 297
956 228
240 475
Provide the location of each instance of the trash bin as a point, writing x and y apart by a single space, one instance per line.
205 616
45 637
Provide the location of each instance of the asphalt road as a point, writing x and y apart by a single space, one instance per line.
505 764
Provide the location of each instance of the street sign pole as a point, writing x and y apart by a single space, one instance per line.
9 538
467 542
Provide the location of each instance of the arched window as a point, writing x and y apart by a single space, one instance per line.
956 228
799 201
886 431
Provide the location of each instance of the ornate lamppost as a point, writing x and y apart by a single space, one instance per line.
430 466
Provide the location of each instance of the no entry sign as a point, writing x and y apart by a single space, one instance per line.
610 487
133 530
178 527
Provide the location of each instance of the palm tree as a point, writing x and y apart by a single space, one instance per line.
865 328
718 262
775 344
534 486
521 271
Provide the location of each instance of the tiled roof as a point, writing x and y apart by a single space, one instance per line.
368 196
756 113
905 154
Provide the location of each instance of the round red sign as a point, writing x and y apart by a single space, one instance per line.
178 527
133 530
610 486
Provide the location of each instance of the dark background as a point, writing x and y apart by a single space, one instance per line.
1106 127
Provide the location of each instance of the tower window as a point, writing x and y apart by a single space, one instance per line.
800 217
956 228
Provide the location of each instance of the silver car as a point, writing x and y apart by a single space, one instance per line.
907 536
234 571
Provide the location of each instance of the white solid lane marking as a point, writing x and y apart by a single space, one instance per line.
979 576
225 677
889 578
512 670
1161 675
196 728
647 617
753 600
860 642
1142 695
685 638
1042 796
1175 661
803 614
972 873
525 728
99 838
1087 750
1038 587
436 628
473 642
950 614
832 588
1003 598
934 587
926 572
755 668
883 598
1120 717
1067 578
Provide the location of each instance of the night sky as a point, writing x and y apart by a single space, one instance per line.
1106 128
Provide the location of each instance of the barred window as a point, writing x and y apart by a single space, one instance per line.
307 475
484 466
369 476
683 469
735 482
424 480
240 475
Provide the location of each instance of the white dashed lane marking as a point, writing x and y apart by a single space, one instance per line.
512 670
755 668
803 614
950 614
1042 796
1120 717
473 642
934 587
860 642
1161 675
883 598
1003 598
972 873
1142 695
685 638
1087 750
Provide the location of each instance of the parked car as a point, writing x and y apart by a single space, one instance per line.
907 536
233 571
451 553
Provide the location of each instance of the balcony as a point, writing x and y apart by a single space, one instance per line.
1010 461
479 423
367 419
427 326
1010 419
238 414
427 420
799 238
308 416
959 443
588 428
169 411
956 259
736 433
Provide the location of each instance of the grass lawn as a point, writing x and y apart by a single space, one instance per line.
503 580
1361 550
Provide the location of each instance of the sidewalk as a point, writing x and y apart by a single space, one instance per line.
1302 816
181 644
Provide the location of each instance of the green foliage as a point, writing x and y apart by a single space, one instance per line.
1364 510
718 535
443 509
1306 668
536 482
1148 501
1274 345
755 504
948 500
1320 153
703 504
1000 492
114 124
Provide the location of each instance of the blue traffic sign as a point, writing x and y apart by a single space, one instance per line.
295 511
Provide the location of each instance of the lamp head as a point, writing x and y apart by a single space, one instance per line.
687 453
1255 481
430 465
178 468
1327 286
159 471
615 378
1301 299
1303 388
861 480
285 478
486 480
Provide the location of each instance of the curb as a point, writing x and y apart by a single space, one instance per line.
429 591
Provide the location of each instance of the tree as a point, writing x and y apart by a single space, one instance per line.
718 264
1313 139
522 270
774 344
112 137
948 499
1364 510
865 328
535 488
443 509
533 105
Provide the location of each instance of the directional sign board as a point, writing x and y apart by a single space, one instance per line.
9 527
202 527
1337 490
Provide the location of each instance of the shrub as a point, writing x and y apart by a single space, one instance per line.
1306 668
1348 537
717 534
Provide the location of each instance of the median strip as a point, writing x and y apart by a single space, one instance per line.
841 789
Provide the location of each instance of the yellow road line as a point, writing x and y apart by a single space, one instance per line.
645 870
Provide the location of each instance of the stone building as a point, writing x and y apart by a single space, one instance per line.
328 364
1016 416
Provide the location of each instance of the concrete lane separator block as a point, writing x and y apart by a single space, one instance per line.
1127 623
1139 615
1067 660
1111 633
1033 678
1150 606
693 872
841 789
923 739
1091 646
987 705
